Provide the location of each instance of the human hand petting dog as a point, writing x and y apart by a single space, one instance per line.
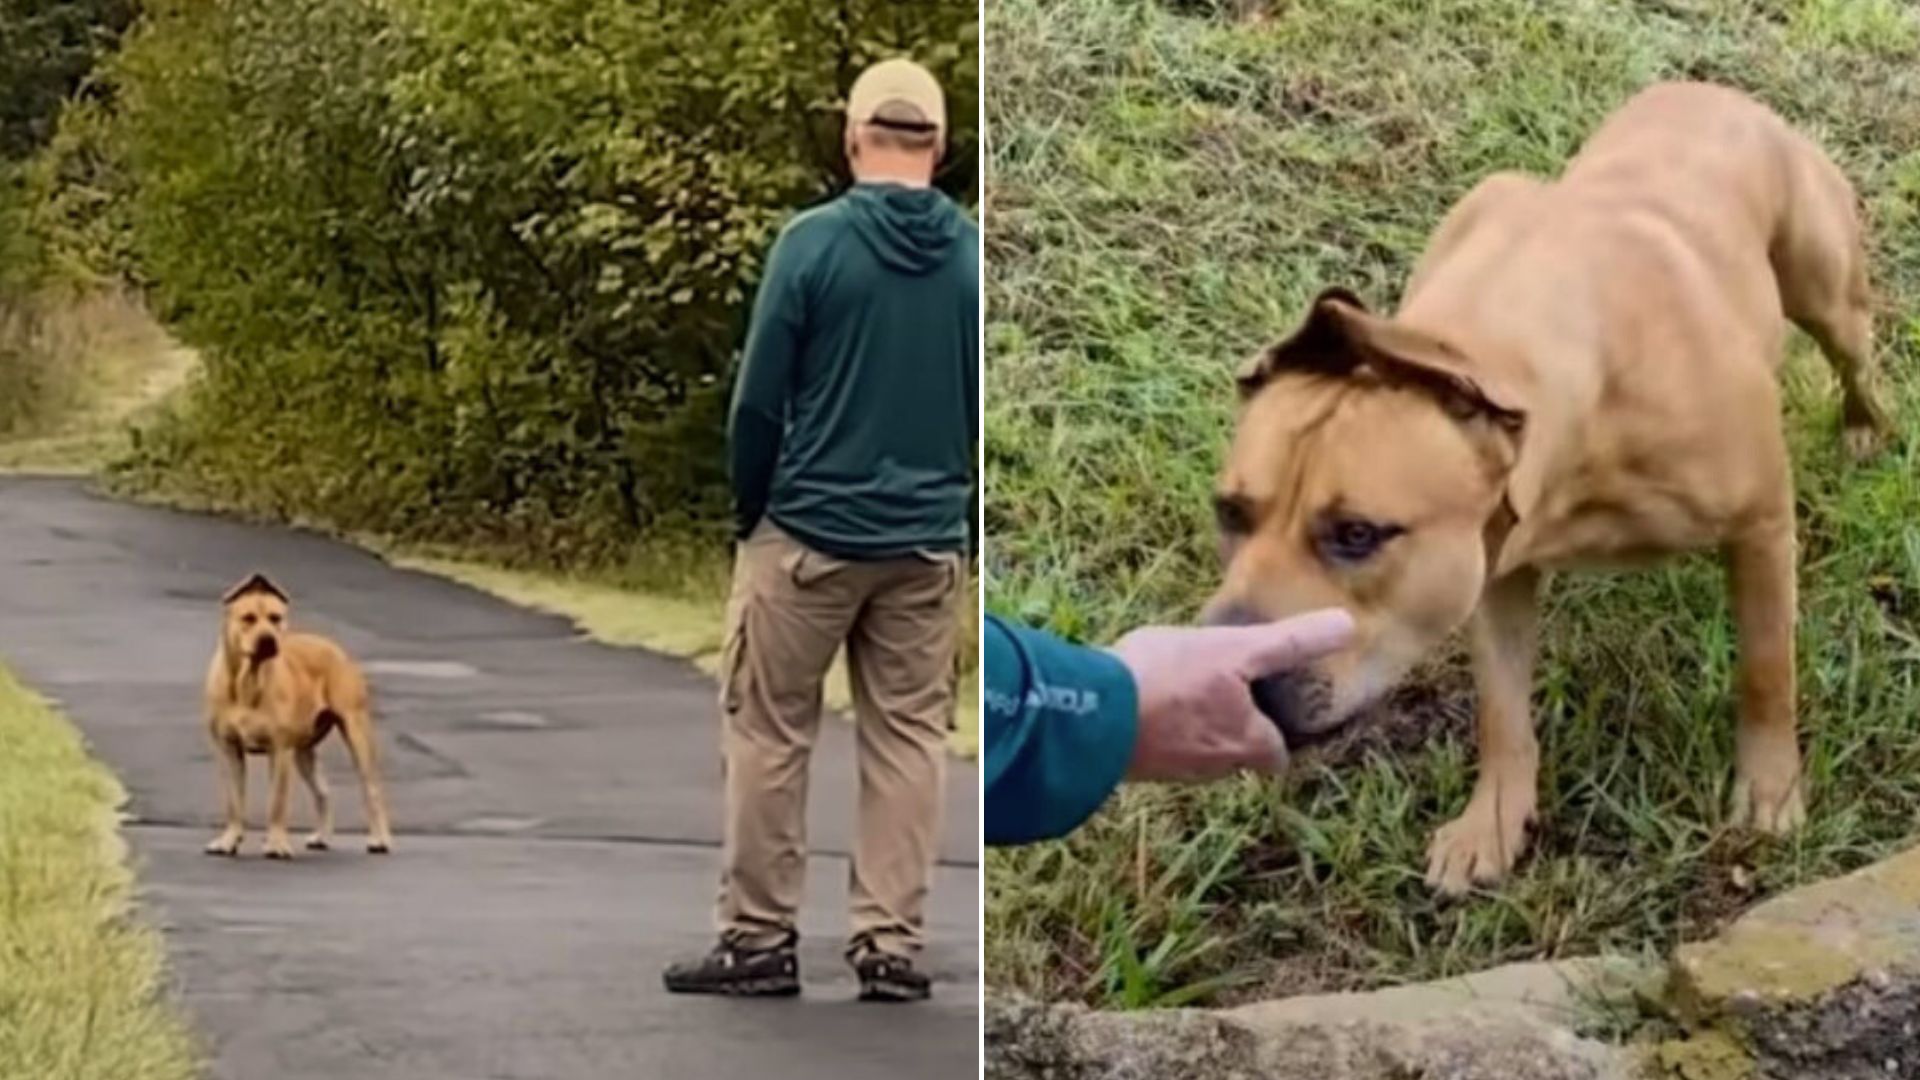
1197 718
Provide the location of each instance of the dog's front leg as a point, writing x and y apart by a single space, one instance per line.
1766 781
1480 845
278 844
232 758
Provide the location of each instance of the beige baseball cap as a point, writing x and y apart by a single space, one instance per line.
901 81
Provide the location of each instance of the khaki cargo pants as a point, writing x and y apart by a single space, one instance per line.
790 610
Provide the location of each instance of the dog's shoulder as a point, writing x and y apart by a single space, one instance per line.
219 685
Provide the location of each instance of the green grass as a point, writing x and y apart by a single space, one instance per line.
80 982
1168 185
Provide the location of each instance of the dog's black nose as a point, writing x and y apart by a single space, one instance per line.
267 647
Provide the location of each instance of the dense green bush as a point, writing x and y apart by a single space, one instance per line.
469 270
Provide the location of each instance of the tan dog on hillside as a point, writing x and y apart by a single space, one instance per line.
274 692
1582 372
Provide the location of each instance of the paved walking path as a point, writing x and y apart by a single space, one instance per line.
556 810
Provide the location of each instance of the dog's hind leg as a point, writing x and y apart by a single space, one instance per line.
1844 332
233 788
278 845
1820 262
1766 787
322 798
357 727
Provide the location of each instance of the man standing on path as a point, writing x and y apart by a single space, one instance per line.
852 440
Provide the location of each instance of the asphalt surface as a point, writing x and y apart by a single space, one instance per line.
556 811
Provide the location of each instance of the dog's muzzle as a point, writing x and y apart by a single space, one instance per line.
1298 702
266 647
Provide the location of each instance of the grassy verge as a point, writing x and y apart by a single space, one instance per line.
687 621
1169 183
80 983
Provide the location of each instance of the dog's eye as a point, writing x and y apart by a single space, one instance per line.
249 620
274 619
1232 515
1354 539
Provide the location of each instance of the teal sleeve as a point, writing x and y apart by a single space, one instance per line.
1060 721
758 416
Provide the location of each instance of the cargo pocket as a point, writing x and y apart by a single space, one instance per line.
952 566
733 664
806 567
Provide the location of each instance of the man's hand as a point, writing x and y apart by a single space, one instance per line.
1197 716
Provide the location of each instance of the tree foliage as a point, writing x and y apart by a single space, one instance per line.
46 49
460 265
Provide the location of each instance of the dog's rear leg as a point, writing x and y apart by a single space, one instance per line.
358 729
1481 845
1820 261
322 798
1845 336
279 846
233 788
1766 786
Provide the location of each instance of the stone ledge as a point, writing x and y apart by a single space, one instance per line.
1518 1021
1822 983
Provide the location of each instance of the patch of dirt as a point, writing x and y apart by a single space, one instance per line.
1722 885
1437 702
1291 976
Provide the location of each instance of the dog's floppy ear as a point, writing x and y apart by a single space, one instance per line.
1319 345
1340 335
256 582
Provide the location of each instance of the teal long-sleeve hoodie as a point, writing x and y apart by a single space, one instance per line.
855 415
1060 723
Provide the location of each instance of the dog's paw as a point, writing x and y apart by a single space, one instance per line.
1771 808
379 847
1862 441
317 842
1767 789
1481 845
279 847
225 844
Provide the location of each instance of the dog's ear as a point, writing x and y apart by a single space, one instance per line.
256 582
1319 345
1340 335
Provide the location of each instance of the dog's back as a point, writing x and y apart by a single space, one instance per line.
1737 181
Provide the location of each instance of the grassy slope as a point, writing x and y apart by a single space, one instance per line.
79 983
115 362
1167 188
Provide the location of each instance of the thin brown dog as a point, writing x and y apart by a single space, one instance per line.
1582 372
274 692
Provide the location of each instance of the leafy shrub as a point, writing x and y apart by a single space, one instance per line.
470 270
